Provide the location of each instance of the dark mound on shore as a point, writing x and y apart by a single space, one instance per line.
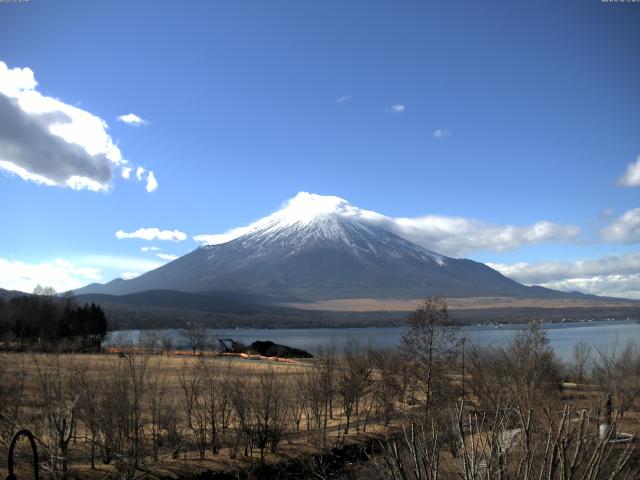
270 349
266 349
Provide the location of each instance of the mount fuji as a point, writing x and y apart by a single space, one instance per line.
321 248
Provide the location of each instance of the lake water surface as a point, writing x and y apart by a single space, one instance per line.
563 337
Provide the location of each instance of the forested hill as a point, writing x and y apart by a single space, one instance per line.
44 321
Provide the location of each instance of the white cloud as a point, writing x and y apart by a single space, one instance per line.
397 108
625 229
167 256
139 172
344 98
150 234
441 134
132 119
454 236
126 173
458 235
615 276
47 141
149 249
631 178
152 183
59 274
129 275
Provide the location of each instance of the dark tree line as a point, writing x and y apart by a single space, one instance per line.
43 320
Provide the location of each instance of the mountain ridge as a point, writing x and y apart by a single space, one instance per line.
323 248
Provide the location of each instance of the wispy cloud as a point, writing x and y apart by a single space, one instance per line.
149 249
441 134
396 108
344 98
129 275
132 119
153 233
610 276
59 274
631 177
167 256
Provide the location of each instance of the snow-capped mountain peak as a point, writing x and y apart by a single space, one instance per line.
306 207
308 220
302 210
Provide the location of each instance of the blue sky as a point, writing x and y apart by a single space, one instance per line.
499 114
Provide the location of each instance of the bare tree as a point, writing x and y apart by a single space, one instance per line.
157 406
167 344
317 404
268 410
90 388
195 336
353 379
618 373
430 344
224 395
57 404
149 341
387 389
12 392
296 394
581 363
123 410
525 370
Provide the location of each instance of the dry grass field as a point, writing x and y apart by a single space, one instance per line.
174 381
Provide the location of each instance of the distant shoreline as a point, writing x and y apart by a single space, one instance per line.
507 325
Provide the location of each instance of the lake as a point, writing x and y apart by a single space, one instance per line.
562 336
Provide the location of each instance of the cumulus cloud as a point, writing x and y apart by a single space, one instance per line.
453 236
59 274
631 177
344 98
167 256
457 236
129 275
441 134
139 172
150 234
615 276
126 173
397 108
132 119
47 141
625 229
152 183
